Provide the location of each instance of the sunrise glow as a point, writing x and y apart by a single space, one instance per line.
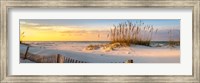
82 30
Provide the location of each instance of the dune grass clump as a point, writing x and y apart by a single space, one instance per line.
92 47
172 42
21 37
129 33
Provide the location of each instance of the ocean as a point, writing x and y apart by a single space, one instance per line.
47 43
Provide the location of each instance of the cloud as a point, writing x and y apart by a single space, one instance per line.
163 35
50 27
30 24
85 31
168 27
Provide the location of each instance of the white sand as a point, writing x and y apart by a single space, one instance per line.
139 54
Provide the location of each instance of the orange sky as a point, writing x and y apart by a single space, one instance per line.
34 32
86 30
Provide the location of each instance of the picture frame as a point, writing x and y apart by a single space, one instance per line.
4 46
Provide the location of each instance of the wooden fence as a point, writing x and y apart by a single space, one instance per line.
49 59
54 58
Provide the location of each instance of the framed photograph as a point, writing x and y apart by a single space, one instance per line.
99 41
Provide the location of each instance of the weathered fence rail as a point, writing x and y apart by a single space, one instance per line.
49 59
57 58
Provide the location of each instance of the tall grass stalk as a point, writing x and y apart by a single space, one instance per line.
172 42
132 33
21 37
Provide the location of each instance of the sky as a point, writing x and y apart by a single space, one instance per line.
89 29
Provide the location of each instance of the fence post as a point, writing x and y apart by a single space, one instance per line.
70 60
67 59
58 58
130 61
25 56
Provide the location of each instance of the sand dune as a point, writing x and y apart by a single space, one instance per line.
139 54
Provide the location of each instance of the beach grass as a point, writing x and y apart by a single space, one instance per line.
172 42
21 37
132 33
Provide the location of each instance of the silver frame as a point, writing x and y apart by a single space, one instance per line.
5 5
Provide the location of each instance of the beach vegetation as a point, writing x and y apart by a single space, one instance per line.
132 33
21 37
172 42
